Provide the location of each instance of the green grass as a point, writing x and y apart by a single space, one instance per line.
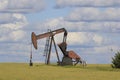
22 71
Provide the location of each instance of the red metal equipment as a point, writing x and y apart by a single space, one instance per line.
67 55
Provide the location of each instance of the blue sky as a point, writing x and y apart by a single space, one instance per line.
93 28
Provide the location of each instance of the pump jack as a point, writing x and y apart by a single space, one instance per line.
67 55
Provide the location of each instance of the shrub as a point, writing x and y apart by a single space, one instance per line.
116 60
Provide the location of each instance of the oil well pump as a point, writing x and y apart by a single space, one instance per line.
69 57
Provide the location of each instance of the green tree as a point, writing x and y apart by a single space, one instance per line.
116 60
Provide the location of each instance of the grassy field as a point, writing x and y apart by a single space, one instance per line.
22 71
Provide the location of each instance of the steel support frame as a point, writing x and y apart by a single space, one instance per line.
49 53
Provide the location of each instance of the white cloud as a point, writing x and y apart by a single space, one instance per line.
21 6
11 20
108 49
83 33
94 14
88 28
98 39
53 22
11 29
112 27
77 38
11 35
87 3
17 35
3 4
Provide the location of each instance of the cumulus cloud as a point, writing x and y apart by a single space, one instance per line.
87 3
17 35
78 33
98 39
77 38
7 18
12 19
106 49
85 35
104 27
11 27
21 6
13 36
94 14
3 4
90 30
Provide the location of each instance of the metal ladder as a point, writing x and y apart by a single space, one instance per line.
46 50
